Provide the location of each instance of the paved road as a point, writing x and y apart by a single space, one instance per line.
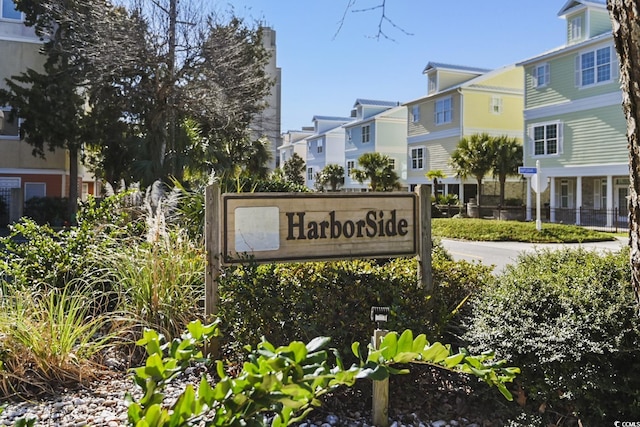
502 253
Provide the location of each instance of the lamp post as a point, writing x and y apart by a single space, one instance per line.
380 409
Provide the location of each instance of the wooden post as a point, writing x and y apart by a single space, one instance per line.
380 389
213 253
424 244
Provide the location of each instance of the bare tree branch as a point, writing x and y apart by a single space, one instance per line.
384 19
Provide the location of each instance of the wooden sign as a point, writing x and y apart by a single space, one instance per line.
272 227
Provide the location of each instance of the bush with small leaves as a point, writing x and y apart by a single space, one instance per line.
569 319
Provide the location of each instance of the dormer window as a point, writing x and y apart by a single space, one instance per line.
575 29
433 83
9 11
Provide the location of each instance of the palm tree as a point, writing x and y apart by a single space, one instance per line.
507 157
332 175
474 157
434 175
378 169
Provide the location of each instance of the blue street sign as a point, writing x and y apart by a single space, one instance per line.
527 170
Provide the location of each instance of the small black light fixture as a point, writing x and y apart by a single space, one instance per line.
380 315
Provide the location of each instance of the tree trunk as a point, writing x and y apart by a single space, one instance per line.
478 194
73 184
626 34
503 181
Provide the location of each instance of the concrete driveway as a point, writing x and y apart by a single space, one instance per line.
501 254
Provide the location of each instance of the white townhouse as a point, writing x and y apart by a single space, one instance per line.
325 146
377 126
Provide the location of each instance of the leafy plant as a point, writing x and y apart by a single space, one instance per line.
569 320
284 381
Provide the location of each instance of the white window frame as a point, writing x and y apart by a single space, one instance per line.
432 82
366 134
319 146
495 105
392 162
541 75
443 113
41 185
5 111
546 138
576 28
3 3
597 67
310 174
415 113
417 155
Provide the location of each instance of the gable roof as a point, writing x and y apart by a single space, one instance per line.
451 67
331 118
572 4
375 103
474 82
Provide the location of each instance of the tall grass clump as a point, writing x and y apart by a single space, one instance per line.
161 283
569 320
50 338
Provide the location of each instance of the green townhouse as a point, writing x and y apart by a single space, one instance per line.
574 124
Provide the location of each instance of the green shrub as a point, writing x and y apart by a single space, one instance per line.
48 210
569 320
37 256
300 301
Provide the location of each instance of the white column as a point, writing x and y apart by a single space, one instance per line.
529 199
610 212
552 198
461 195
578 199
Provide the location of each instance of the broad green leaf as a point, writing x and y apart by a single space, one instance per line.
405 343
453 360
299 351
355 349
389 345
184 407
379 373
405 357
419 343
317 344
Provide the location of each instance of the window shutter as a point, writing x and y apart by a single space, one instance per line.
615 66
578 70
560 138
534 75
530 140
547 74
596 194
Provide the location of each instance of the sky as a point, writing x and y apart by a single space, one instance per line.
328 62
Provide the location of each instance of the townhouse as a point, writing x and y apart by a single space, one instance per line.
575 127
462 101
377 126
294 142
325 146
23 176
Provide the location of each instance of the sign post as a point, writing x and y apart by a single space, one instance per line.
528 171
